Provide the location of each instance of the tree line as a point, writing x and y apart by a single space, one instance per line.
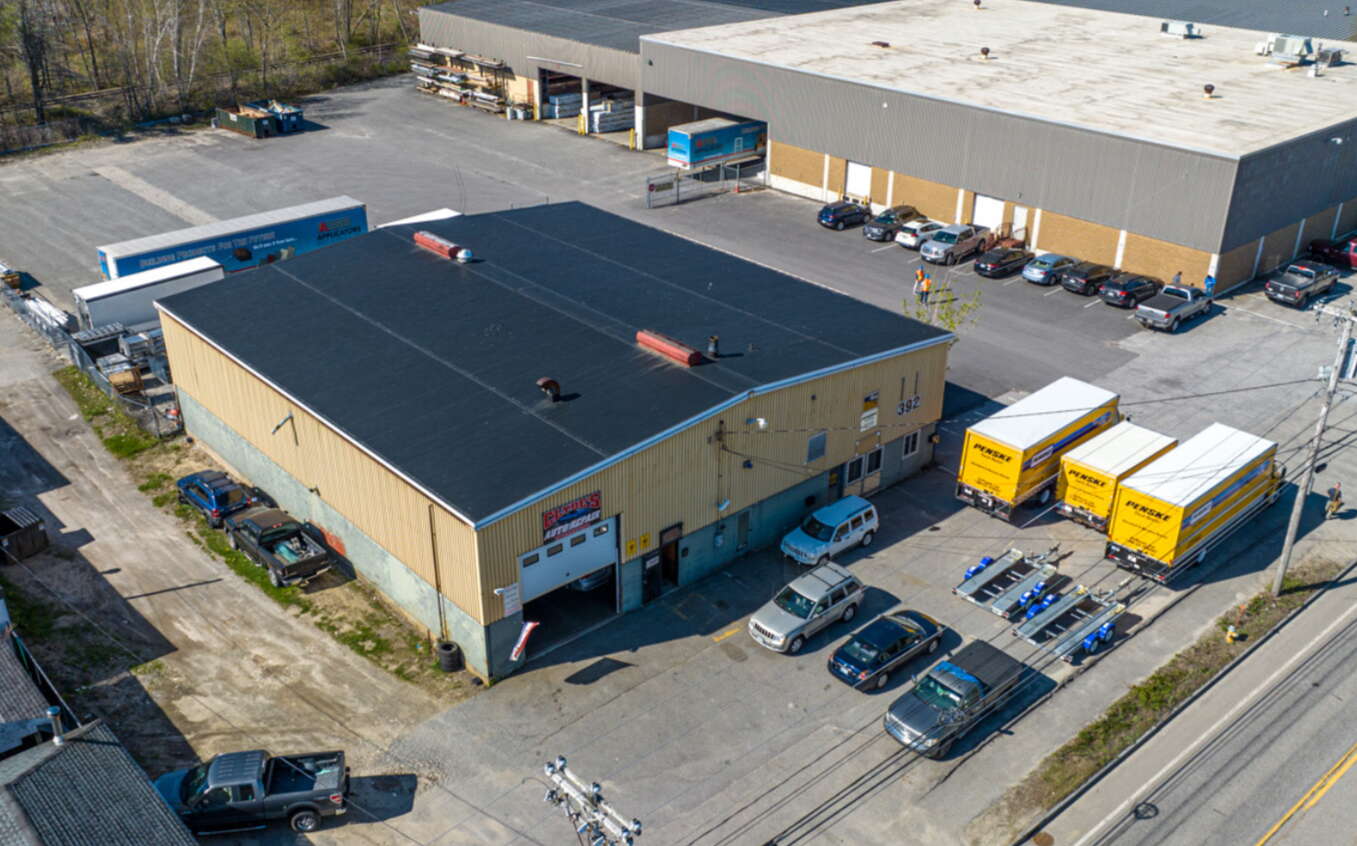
156 57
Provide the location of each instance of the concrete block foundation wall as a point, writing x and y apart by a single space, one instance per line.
415 597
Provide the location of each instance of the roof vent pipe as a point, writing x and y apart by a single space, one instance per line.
551 388
54 714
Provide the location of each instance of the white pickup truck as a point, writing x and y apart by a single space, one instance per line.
1172 307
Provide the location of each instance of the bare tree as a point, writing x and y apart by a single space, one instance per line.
34 41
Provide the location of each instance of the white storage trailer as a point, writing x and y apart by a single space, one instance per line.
130 300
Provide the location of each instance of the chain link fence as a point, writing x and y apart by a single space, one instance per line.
676 186
151 412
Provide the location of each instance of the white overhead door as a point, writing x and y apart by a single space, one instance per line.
568 558
859 183
989 212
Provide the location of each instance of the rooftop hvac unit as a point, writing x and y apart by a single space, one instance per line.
1180 29
1328 57
1289 49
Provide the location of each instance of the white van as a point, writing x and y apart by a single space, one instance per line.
851 521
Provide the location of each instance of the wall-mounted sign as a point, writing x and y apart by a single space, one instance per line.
631 549
870 404
512 597
645 541
572 516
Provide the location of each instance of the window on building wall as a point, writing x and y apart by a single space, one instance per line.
553 550
854 470
874 460
815 447
911 444
529 560
601 530
579 539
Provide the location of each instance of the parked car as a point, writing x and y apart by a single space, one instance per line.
952 697
913 234
1341 253
849 522
213 493
954 243
1126 290
1001 261
884 226
1172 307
884 646
1299 282
275 541
844 213
239 790
824 595
1041 268
1085 278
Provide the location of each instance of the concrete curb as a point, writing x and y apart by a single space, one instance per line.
1093 780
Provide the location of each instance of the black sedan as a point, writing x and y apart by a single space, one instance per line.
1001 261
870 656
1085 278
843 213
884 226
1128 290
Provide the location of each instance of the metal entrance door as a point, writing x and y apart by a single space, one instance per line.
669 554
859 181
862 475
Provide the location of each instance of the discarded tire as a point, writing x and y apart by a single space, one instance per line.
449 656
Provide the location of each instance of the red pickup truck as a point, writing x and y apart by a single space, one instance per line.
1341 253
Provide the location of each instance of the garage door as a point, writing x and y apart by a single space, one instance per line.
859 181
989 212
566 559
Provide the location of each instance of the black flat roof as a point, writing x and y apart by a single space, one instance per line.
432 365
1315 18
619 24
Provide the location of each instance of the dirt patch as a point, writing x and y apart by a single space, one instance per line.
349 610
1144 705
119 433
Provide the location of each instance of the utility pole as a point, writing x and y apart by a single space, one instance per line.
1303 486
595 821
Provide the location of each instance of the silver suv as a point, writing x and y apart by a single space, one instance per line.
825 594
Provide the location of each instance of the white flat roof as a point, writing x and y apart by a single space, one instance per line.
1038 415
1099 70
1198 464
145 277
1119 449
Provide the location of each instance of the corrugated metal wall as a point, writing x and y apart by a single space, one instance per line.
1173 194
513 46
684 477
385 507
1282 184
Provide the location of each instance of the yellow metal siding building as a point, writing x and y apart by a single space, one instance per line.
453 500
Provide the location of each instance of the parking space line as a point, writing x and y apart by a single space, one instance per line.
1265 317
1050 292
1011 281
725 634
879 249
1092 304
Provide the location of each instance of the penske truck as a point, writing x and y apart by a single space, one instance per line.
1091 472
1169 514
1013 456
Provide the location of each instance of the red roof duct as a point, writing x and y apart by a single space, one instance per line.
437 244
675 351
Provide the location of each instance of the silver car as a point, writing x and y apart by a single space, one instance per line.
824 595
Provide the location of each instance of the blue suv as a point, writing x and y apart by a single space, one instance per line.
843 213
214 493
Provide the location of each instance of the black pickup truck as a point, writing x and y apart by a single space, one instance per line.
240 790
1299 282
952 697
278 543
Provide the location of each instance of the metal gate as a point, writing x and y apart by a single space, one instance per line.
672 187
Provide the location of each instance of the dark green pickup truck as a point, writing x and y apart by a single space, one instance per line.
241 790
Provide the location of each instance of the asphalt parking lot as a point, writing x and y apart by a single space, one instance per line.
690 725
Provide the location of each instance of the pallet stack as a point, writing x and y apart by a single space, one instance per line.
563 105
612 115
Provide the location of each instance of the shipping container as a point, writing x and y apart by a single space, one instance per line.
242 242
707 142
1170 513
1013 455
1090 473
130 300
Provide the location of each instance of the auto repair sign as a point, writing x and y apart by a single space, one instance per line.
572 516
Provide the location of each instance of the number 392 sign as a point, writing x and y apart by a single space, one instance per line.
572 516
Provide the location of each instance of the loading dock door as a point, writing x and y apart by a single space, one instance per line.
989 212
568 558
859 182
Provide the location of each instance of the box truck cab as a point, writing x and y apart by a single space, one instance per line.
1091 472
850 522
1170 513
1013 456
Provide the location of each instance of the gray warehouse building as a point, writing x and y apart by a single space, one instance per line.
1085 131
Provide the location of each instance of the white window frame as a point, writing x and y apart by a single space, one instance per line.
911 445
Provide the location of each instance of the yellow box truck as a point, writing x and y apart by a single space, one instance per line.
1091 472
1170 513
1013 456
